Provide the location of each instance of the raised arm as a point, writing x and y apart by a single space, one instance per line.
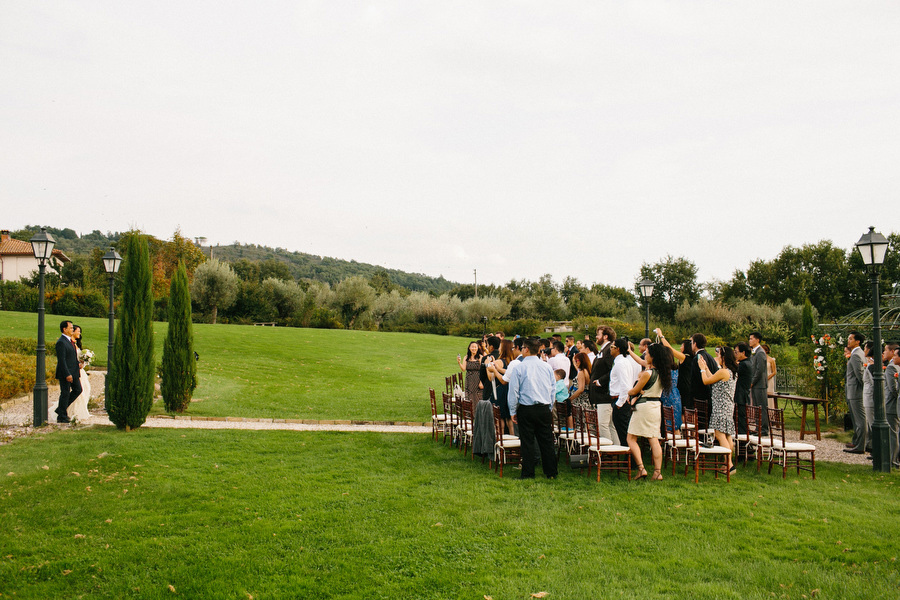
676 353
720 375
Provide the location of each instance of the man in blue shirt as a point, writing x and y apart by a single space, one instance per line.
531 388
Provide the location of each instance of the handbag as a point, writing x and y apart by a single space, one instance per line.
578 461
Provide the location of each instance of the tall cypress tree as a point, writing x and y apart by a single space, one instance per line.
133 368
179 369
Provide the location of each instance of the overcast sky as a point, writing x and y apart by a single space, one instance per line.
515 138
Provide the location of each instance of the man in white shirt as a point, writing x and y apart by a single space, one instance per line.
623 376
558 359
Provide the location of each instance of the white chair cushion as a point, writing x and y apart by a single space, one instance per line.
678 443
439 417
613 449
795 446
714 450
506 436
509 444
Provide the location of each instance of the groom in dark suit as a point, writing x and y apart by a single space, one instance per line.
67 370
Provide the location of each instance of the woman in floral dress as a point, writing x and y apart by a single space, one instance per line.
471 366
722 392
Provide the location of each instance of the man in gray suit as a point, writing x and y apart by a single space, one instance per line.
854 389
759 394
891 358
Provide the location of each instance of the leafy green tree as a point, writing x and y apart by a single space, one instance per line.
352 297
133 370
675 282
179 367
215 286
285 296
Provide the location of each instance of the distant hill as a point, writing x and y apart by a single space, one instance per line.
331 270
302 266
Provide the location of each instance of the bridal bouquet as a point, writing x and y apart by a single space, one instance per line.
87 357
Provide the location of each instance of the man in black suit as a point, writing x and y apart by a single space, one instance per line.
598 392
67 370
742 387
698 390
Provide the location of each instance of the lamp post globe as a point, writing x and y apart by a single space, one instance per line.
111 263
42 245
872 247
646 287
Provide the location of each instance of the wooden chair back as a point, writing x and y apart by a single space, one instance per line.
702 409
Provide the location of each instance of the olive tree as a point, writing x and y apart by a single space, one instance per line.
215 286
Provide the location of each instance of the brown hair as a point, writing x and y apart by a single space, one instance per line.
582 359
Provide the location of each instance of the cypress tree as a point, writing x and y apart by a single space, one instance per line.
179 369
807 324
133 368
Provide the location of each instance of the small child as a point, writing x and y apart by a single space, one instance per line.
562 393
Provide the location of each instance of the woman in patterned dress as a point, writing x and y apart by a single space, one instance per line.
722 393
580 396
471 366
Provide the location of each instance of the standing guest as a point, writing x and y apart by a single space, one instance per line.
570 354
471 366
580 395
722 383
558 359
759 392
67 371
672 396
869 391
531 388
742 387
699 391
579 347
621 379
771 369
853 385
493 351
500 335
556 337
591 349
891 358
599 388
647 417
495 372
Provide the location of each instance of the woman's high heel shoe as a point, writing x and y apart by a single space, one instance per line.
642 472
657 476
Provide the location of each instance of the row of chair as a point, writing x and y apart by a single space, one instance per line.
691 444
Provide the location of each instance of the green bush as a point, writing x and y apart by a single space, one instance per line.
17 296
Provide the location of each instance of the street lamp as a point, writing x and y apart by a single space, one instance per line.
42 245
111 263
872 247
484 321
646 286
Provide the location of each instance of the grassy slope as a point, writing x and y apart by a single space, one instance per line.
327 515
293 373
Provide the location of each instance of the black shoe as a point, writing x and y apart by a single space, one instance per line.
63 420
524 477
851 451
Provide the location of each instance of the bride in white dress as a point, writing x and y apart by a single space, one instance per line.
78 410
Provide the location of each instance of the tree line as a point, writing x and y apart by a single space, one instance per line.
767 295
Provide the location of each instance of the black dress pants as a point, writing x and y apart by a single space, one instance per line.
621 419
68 393
536 436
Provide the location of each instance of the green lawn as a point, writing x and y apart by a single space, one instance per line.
234 514
291 373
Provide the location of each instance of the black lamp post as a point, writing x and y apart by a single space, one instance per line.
872 247
484 321
42 245
111 262
646 286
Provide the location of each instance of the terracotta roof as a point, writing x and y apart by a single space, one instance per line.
12 247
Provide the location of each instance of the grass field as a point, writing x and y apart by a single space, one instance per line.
280 372
238 514
235 514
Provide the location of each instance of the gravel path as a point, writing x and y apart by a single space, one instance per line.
16 416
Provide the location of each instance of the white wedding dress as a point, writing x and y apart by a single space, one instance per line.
78 410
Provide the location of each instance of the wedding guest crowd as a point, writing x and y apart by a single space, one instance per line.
527 377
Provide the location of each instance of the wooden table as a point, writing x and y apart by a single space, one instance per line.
806 402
